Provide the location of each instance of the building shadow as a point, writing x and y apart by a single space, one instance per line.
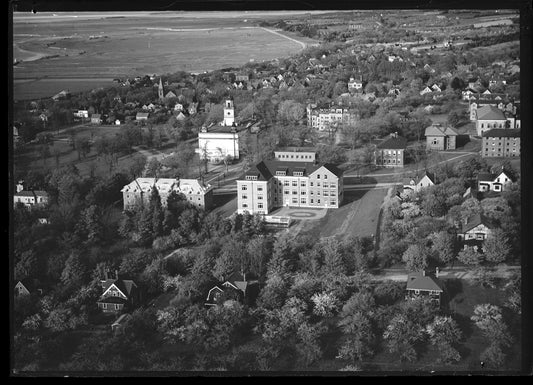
220 200
462 140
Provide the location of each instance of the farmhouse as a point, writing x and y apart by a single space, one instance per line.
421 284
440 138
272 184
138 192
499 142
218 142
493 182
390 151
21 289
355 85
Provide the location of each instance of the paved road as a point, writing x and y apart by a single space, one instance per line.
400 275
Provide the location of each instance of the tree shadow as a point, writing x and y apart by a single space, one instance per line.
452 287
352 196
220 200
465 324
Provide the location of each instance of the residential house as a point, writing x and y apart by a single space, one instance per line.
489 117
178 107
499 142
355 84
473 231
82 114
117 122
272 184
493 182
234 288
30 199
435 88
118 295
138 192
423 284
440 138
426 90
417 183
428 68
242 78
390 151
96 119
142 116
21 289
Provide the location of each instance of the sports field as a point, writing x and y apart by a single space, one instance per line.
90 52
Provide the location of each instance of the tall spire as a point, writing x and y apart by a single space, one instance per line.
160 89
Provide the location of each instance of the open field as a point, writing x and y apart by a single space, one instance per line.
91 52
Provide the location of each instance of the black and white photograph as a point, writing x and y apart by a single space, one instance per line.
300 191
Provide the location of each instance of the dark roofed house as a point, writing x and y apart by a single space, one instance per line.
421 284
118 295
473 231
390 151
493 182
236 287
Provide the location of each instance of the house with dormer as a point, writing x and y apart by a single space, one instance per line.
118 294
473 231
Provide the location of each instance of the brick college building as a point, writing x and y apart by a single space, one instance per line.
293 183
500 142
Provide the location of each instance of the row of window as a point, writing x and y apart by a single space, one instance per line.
303 192
297 156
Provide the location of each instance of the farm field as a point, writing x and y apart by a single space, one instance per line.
92 52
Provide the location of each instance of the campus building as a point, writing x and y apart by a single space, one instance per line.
325 118
390 151
272 184
217 142
440 138
138 192
500 142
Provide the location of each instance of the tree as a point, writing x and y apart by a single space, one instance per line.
27 265
401 335
415 257
358 337
489 319
308 346
152 168
325 304
90 224
496 247
73 274
444 246
444 333
469 256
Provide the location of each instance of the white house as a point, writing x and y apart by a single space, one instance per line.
417 183
491 182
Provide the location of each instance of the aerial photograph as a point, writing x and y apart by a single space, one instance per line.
256 193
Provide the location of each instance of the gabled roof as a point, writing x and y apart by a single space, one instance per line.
260 170
393 143
333 169
490 113
474 221
124 285
419 281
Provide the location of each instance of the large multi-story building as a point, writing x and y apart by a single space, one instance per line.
138 192
272 184
327 118
500 142
217 142
29 198
296 154
440 138
390 151
490 117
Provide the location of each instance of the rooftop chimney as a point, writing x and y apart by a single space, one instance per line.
437 272
116 274
423 273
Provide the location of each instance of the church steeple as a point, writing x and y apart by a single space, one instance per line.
229 112
160 89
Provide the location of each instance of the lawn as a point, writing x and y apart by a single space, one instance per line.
358 216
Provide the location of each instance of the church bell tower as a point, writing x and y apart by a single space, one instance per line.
229 113
160 89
